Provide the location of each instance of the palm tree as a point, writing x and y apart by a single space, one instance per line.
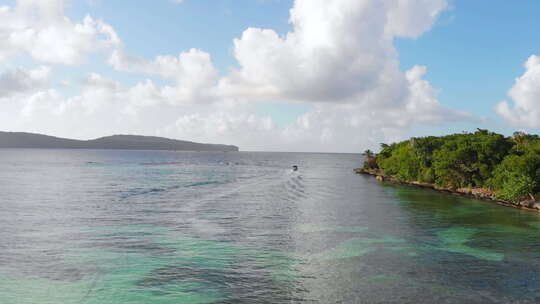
368 153
520 137
371 161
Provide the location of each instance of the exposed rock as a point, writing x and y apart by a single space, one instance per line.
478 193
534 205
524 204
423 185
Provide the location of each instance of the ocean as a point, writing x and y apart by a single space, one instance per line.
89 226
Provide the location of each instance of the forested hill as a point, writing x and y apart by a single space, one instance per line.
123 142
508 166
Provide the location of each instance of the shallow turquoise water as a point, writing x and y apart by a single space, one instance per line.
167 227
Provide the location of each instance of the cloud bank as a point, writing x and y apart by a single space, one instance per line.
40 29
339 58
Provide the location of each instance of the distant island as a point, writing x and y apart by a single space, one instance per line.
482 164
115 142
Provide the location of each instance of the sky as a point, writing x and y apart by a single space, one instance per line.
270 75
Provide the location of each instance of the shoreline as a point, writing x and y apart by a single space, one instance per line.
475 193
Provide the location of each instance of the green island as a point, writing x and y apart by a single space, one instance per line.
483 165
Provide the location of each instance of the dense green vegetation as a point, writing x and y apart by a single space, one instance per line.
509 166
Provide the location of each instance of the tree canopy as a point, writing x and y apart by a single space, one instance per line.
510 166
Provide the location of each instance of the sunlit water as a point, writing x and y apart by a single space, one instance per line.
168 227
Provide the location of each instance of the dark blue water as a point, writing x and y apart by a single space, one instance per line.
171 227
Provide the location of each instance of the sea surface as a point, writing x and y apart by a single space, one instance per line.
175 227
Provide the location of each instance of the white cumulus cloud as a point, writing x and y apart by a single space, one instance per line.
525 110
339 59
339 51
193 74
21 80
40 29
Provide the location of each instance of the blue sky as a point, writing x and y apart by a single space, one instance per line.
210 25
476 51
163 27
472 51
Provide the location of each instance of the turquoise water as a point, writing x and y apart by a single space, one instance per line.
168 227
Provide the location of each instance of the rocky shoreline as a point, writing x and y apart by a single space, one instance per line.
476 193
